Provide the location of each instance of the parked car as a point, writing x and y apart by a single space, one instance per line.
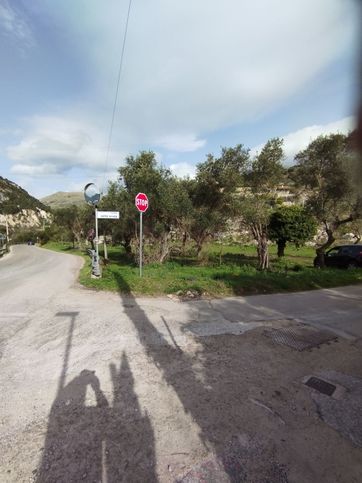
343 256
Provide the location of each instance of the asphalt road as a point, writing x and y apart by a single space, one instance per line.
73 360
31 277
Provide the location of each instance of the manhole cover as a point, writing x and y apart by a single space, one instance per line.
300 337
321 386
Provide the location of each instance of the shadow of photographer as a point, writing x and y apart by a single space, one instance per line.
89 439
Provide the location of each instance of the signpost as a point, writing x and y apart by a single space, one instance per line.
108 215
141 202
92 196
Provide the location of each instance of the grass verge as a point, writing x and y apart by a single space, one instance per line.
222 272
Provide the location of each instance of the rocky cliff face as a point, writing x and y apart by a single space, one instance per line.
19 209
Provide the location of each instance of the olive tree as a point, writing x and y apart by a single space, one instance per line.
324 168
292 224
169 201
212 192
256 205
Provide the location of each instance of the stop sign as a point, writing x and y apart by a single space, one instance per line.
141 202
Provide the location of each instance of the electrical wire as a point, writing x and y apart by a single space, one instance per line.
116 95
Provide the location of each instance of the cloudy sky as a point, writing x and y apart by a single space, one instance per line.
197 75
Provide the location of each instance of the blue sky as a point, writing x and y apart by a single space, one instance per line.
197 75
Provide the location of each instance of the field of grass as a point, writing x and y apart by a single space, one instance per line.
221 272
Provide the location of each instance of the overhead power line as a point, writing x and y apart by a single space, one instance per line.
116 94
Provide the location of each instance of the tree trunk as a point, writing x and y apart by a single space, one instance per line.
260 235
165 248
281 247
105 251
199 245
330 229
263 252
320 251
127 244
184 240
221 253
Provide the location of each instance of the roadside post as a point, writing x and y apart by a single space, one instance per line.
107 215
92 196
141 202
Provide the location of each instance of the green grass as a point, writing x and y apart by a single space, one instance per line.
233 273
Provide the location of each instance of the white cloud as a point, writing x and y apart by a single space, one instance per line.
207 64
298 140
56 145
32 170
196 67
14 24
182 170
181 143
190 68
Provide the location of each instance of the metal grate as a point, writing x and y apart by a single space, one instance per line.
321 386
300 337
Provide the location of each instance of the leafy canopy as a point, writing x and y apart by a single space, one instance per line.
292 224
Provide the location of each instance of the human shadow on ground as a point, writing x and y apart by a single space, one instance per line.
90 439
214 398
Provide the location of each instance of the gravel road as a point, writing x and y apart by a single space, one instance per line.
99 386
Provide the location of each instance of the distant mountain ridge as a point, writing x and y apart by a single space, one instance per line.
18 208
62 199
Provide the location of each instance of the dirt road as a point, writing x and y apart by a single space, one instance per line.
104 387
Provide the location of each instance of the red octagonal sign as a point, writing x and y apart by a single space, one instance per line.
141 202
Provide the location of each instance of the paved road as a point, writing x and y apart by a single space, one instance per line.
54 334
31 278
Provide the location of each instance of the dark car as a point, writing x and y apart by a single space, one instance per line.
343 256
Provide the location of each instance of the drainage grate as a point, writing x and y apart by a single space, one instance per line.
321 386
299 337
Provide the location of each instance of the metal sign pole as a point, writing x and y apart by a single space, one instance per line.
96 270
141 241
97 249
92 196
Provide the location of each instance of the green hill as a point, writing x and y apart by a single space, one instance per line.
63 199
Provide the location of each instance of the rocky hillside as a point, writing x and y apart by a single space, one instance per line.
63 199
19 209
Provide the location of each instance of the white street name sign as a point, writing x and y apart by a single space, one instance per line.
108 215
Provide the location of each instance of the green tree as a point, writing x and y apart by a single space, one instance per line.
291 224
212 192
71 223
169 202
324 168
123 230
256 204
66 224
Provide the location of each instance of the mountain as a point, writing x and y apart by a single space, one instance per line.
19 209
63 199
